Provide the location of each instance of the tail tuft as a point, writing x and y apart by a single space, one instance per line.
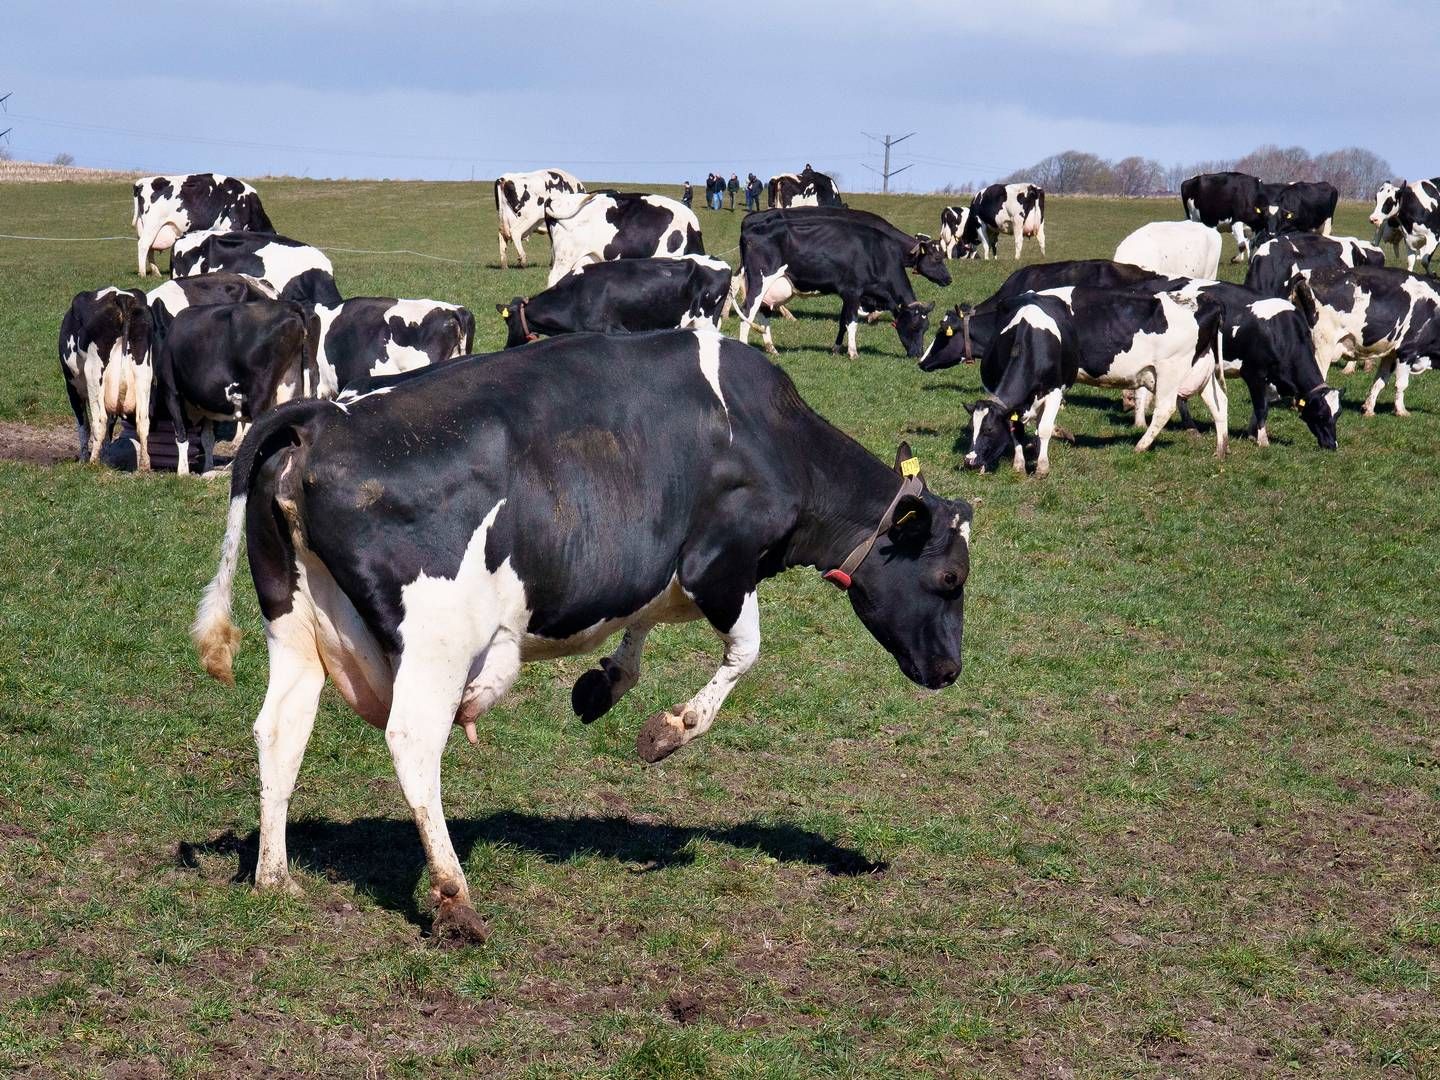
216 637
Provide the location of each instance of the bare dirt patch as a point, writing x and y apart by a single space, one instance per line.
35 444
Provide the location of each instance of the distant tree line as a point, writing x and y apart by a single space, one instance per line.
1355 171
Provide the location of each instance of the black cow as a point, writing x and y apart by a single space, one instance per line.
1298 208
1410 211
1373 312
805 188
855 255
1277 260
624 296
1226 198
169 207
234 362
536 518
294 270
966 331
1014 209
1048 341
381 335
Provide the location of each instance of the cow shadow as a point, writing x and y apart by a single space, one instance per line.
382 857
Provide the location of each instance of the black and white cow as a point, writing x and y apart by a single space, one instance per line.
1276 261
805 188
294 270
1226 198
108 340
852 254
624 296
169 207
603 226
234 362
1413 211
1298 208
1377 312
520 203
973 231
420 581
381 335
1048 341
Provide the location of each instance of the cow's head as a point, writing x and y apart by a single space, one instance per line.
1387 203
952 344
517 329
994 432
927 259
1320 408
910 590
911 322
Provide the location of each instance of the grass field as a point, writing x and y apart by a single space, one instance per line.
1178 817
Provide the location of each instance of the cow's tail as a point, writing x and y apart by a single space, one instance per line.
280 431
465 330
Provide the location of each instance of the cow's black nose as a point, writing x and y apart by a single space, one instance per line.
944 673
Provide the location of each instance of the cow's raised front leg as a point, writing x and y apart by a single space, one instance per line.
596 692
282 731
666 732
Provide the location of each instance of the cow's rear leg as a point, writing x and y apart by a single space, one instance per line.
282 731
1217 400
596 692
504 250
429 687
1165 398
739 628
1040 238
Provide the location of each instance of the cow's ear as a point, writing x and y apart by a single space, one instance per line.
906 463
504 310
902 454
911 522
926 307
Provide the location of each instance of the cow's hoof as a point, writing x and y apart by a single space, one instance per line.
456 924
770 350
278 883
662 735
836 350
594 692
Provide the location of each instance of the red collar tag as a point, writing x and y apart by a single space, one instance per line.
838 578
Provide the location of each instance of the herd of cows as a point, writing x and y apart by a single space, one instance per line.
420 523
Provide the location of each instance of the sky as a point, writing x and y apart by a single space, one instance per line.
663 92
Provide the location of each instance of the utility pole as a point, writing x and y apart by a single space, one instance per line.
886 173
3 98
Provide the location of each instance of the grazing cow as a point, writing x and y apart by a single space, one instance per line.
234 362
1226 198
419 582
380 335
105 357
1266 342
169 207
1373 312
1277 260
624 296
1173 248
1411 210
1298 208
1051 340
520 203
966 331
108 339
852 254
805 188
602 226
1018 209
294 270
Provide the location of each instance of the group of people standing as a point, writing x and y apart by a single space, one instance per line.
717 187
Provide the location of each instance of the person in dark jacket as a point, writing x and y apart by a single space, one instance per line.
753 188
733 187
687 193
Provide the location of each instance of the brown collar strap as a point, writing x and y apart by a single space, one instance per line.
525 326
965 328
843 575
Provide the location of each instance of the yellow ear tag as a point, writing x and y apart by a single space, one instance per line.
1014 416
910 467
1301 403
949 331
504 312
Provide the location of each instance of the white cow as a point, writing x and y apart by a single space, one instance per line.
1173 248
521 200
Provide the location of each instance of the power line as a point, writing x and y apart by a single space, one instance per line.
887 172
